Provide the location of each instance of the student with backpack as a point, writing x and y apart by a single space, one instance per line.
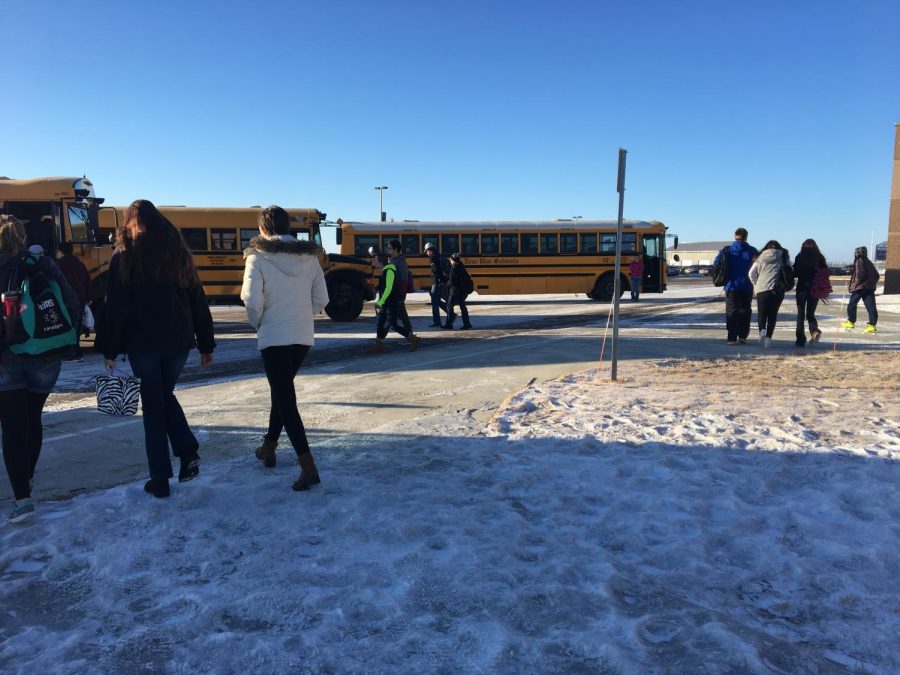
438 284
156 312
809 266
863 281
771 275
460 287
33 287
388 306
734 263
405 279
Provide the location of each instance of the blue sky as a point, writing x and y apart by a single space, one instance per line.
775 116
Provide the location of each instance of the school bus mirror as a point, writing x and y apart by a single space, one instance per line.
338 236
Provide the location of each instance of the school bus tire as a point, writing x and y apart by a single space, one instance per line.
605 286
346 302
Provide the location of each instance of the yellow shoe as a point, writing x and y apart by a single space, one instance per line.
848 325
870 328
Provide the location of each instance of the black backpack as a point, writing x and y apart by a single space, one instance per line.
467 285
720 269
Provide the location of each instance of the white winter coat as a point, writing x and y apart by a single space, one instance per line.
283 289
766 271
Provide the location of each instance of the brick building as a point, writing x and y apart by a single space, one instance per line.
892 273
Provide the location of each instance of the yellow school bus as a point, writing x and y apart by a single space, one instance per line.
517 257
65 209
57 209
217 238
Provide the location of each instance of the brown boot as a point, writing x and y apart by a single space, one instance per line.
414 341
377 347
309 474
266 452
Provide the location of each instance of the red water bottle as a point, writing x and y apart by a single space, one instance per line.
11 304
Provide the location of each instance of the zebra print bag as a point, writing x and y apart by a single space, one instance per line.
118 394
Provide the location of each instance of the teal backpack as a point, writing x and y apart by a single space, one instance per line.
43 324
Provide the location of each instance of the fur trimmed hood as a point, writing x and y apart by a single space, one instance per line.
285 244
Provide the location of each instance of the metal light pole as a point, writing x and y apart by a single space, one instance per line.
617 290
381 189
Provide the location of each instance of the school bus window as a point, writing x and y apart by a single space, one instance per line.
300 234
629 242
450 243
489 244
469 244
223 240
529 244
549 243
509 244
195 238
246 236
364 242
78 219
568 243
608 244
429 239
386 239
411 244
588 242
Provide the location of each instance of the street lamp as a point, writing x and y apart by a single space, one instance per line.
381 189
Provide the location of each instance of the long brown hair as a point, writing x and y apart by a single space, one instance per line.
12 234
157 252
810 255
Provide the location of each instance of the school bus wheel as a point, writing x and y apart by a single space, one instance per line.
605 287
346 302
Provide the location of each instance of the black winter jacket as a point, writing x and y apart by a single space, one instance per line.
458 274
154 317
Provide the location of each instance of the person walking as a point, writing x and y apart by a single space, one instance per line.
79 279
389 305
25 381
283 289
863 281
769 273
156 312
636 268
398 260
460 287
438 282
806 266
738 288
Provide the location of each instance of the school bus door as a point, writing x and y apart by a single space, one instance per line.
653 262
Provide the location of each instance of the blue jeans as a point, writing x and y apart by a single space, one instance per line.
635 288
867 295
164 421
437 303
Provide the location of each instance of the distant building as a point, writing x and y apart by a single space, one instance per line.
892 273
881 251
696 254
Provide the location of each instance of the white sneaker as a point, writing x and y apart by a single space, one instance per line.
762 338
767 342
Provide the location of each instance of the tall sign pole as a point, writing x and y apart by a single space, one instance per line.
617 289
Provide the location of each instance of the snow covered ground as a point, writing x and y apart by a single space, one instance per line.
721 515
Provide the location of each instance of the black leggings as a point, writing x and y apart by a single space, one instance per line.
767 305
23 434
281 364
